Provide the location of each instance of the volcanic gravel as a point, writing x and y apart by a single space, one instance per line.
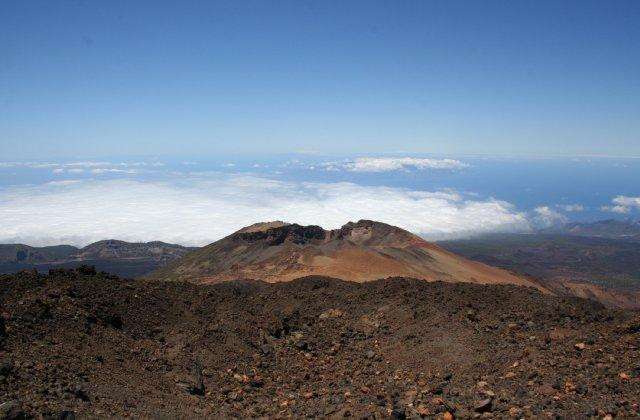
76 343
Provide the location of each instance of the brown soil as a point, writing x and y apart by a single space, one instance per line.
104 347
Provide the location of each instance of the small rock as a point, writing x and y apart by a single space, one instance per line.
331 313
623 376
447 416
370 354
569 387
241 378
423 410
266 349
483 406
580 346
193 383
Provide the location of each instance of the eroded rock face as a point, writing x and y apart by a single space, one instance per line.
366 225
297 234
278 235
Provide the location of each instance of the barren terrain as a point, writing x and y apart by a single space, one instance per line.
99 346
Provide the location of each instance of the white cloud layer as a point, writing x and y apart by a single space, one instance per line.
623 204
198 211
545 216
392 164
96 168
113 171
82 164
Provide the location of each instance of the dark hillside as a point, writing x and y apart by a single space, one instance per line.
126 259
612 266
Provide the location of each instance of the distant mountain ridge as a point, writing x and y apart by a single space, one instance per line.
610 228
601 268
361 251
127 259
25 254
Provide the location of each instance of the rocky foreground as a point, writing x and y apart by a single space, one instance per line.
98 346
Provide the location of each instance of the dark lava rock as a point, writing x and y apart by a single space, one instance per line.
278 235
80 392
65 415
88 270
398 414
11 410
193 383
301 345
6 366
266 349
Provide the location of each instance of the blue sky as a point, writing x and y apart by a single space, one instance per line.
183 121
94 79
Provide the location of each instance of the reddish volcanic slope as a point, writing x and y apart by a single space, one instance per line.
362 251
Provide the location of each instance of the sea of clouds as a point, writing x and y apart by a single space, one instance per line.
368 164
84 202
198 210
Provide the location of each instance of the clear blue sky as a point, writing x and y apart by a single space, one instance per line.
90 78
